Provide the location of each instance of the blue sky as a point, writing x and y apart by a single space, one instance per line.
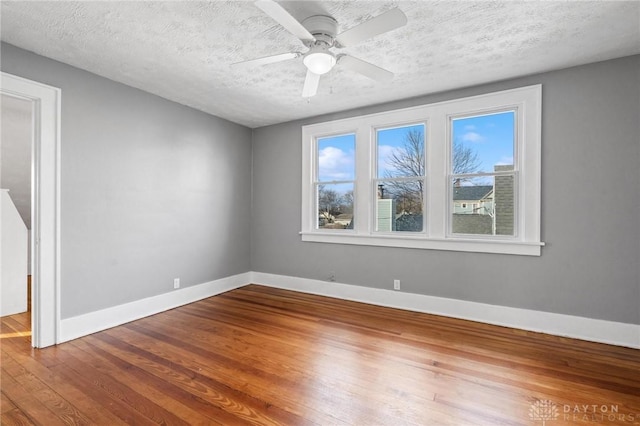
491 136
336 158
336 161
390 140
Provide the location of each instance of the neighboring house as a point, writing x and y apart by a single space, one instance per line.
476 210
468 201
386 214
473 200
485 209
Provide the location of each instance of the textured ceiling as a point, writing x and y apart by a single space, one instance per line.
183 50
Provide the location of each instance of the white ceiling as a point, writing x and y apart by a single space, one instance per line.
183 50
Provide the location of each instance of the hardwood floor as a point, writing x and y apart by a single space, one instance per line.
259 355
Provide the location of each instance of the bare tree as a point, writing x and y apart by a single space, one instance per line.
328 202
409 161
406 162
347 202
465 160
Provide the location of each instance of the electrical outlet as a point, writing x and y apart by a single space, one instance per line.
396 284
332 276
176 283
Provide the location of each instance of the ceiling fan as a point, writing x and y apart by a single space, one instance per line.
319 35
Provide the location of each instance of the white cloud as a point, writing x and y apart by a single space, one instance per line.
384 154
469 127
473 137
335 164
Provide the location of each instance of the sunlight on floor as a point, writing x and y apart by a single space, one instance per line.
17 334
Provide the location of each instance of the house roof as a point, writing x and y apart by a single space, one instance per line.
471 192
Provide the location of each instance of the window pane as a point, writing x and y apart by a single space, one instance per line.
401 151
399 205
484 205
335 206
336 158
483 142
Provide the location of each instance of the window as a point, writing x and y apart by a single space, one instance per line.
458 175
334 180
400 179
482 169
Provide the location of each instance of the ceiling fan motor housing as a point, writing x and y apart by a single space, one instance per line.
323 28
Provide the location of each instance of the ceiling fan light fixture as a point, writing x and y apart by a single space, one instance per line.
319 61
319 33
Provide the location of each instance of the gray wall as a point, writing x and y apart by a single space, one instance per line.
590 208
15 153
151 190
15 157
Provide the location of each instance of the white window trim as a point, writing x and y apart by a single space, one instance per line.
528 102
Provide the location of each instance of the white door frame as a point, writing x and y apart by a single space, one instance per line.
45 205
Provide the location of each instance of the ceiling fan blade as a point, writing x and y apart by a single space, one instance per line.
311 83
270 59
388 21
282 17
365 68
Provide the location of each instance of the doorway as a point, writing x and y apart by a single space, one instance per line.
16 146
45 204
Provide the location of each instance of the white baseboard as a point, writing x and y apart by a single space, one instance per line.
83 325
595 330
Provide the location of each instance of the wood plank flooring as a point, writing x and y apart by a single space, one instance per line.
265 356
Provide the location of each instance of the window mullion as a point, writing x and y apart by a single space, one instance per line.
437 170
362 213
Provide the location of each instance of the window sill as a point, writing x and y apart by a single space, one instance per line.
450 244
